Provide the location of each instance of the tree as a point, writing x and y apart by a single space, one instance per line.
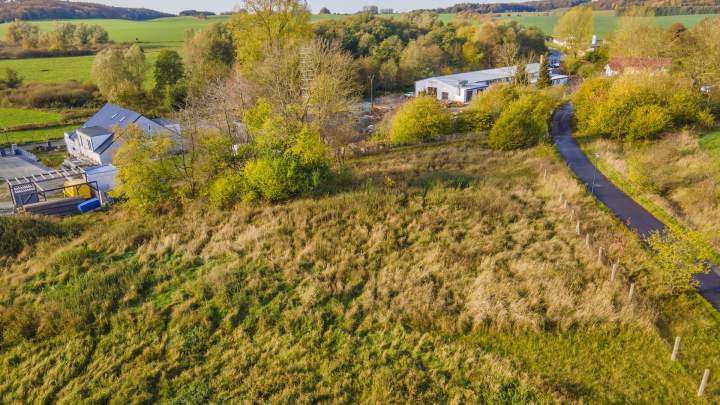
576 28
145 169
268 24
420 119
680 255
702 61
209 56
523 124
169 70
522 78
325 10
544 78
22 33
61 38
119 70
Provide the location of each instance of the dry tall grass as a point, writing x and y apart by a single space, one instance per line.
442 273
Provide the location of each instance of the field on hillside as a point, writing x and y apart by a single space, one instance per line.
432 274
13 117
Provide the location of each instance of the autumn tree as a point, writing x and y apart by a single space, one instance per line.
169 69
119 71
576 28
22 33
209 55
268 24
522 78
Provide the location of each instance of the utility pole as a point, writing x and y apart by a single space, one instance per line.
372 87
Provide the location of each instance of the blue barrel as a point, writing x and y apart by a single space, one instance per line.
89 205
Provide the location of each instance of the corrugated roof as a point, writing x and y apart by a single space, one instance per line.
486 75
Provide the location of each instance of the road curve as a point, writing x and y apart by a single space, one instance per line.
625 208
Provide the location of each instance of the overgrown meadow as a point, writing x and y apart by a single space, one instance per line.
428 274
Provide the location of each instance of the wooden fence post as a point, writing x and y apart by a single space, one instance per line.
545 175
587 240
577 227
614 271
704 382
600 256
632 292
676 349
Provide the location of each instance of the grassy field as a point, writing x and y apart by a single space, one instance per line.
604 24
461 280
12 117
35 135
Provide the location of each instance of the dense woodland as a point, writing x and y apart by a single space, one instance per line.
64 10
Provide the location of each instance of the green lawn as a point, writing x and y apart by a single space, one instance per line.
12 117
35 135
711 142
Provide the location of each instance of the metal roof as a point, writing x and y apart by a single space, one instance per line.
94 131
112 115
470 79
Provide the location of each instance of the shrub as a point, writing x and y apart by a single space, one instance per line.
493 101
419 120
227 189
522 124
638 106
648 121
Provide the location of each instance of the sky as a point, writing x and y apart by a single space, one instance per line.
336 6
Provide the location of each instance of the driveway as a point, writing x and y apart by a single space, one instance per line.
17 166
625 208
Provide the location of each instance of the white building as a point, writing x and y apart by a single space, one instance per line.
95 143
462 87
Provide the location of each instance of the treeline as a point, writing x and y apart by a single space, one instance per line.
527 6
392 53
63 37
65 10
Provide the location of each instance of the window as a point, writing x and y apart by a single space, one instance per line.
432 91
468 96
445 96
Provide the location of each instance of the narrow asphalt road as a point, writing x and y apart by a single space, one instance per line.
625 208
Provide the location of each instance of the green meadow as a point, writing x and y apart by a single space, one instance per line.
13 117
35 135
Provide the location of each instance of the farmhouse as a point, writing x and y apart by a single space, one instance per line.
617 66
462 87
95 143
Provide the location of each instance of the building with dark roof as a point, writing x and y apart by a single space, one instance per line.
95 143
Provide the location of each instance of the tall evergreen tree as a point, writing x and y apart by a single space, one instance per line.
521 75
544 79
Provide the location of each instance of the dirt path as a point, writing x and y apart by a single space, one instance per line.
625 208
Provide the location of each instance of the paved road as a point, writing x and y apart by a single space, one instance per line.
624 207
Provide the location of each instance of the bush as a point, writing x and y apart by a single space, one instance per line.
493 101
419 120
227 189
523 124
648 121
638 106
285 168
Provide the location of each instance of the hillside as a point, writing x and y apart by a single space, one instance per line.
434 274
65 10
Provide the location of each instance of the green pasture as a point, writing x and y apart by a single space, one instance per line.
13 117
66 68
604 23
35 135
